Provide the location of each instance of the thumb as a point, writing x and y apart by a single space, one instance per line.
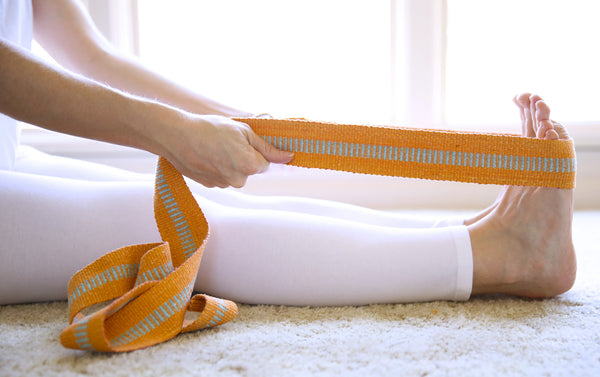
269 152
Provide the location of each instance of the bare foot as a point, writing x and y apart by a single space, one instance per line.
523 245
479 216
530 128
527 129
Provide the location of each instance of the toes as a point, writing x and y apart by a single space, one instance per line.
551 130
523 98
533 100
535 118
522 115
542 111
545 127
523 102
560 130
552 135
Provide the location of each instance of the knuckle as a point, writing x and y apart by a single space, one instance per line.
270 149
239 182
205 182
249 166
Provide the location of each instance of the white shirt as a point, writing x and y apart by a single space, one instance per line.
16 25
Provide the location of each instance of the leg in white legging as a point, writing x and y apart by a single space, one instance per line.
53 226
297 259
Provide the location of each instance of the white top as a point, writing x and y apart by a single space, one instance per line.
16 25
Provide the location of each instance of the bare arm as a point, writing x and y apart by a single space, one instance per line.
56 99
211 149
66 31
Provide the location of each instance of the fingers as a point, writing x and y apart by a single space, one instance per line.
253 158
237 181
220 152
261 154
269 152
201 176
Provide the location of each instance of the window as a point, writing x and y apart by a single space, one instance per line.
498 48
433 63
327 60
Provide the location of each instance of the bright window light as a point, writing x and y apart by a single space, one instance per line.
496 49
325 60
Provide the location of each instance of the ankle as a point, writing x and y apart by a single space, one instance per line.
488 265
503 264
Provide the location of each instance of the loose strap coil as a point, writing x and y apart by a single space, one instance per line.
418 153
151 284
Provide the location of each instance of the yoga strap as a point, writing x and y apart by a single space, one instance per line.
417 153
151 284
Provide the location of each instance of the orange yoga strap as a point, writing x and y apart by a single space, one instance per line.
417 153
151 284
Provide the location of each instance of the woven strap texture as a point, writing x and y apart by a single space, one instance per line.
150 284
418 153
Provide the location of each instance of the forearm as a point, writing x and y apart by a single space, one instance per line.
55 99
129 74
66 31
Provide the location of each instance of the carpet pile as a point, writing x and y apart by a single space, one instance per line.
486 336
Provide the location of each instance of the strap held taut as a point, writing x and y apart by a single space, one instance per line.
422 153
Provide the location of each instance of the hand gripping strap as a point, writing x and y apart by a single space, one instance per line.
428 154
150 284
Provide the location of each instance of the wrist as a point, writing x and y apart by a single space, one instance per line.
153 125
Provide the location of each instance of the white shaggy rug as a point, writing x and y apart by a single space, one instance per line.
487 336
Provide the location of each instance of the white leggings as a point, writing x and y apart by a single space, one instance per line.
57 215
